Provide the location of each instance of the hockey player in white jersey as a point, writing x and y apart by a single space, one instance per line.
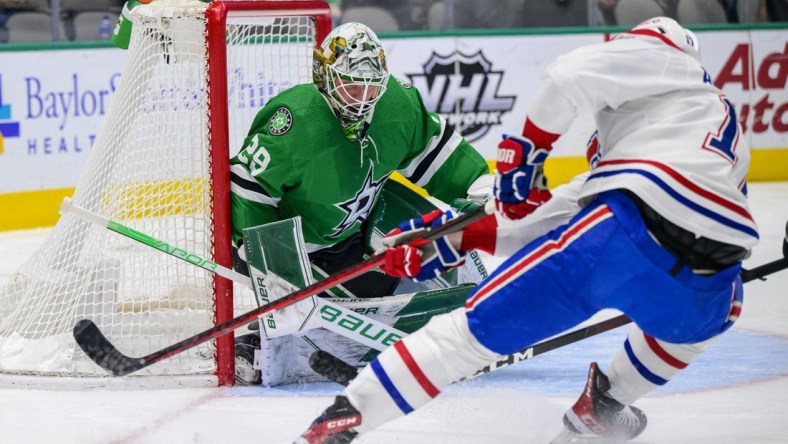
659 229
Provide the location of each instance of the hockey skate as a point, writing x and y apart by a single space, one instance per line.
598 418
245 373
334 425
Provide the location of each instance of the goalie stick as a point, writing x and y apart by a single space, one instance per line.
67 207
101 351
342 373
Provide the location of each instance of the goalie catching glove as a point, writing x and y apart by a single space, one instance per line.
427 261
520 185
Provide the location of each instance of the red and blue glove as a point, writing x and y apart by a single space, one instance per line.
520 184
427 261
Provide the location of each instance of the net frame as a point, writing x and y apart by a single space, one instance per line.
210 193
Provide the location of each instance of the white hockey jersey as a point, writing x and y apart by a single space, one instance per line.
664 132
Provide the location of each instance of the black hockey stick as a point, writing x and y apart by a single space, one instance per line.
762 271
341 372
101 351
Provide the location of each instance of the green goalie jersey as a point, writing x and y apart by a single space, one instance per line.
296 161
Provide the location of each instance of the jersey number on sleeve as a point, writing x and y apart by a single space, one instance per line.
260 157
724 141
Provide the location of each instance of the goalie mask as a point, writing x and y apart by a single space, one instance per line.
350 70
680 36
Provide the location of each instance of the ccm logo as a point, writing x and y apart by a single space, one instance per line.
344 422
592 425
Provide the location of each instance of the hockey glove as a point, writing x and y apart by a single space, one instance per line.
520 184
421 263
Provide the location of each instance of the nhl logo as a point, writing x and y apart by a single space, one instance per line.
280 122
473 92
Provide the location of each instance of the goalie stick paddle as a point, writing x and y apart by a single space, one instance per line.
101 351
341 372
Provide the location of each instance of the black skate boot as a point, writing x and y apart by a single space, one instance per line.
595 415
245 373
334 425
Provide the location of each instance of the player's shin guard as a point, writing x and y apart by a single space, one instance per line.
414 370
645 363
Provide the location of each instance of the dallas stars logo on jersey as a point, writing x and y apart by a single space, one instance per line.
358 207
280 122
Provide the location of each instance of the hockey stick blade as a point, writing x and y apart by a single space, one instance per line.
101 350
98 348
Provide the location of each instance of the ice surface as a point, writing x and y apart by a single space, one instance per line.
735 393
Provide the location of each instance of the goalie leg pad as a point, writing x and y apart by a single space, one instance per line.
415 370
295 319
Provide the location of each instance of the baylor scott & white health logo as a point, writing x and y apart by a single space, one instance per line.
467 82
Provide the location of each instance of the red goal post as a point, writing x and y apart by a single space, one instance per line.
220 139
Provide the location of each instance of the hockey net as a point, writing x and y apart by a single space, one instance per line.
195 76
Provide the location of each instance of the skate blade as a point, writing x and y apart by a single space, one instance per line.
567 437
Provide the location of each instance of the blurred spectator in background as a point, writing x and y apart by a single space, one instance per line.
81 18
731 10
412 14
481 14
607 11
3 30
549 13
632 12
775 10
408 14
749 11
691 12
336 11
687 12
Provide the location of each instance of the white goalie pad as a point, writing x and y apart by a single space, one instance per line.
293 319
354 330
382 321
278 265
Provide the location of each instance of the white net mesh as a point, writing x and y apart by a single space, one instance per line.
149 169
